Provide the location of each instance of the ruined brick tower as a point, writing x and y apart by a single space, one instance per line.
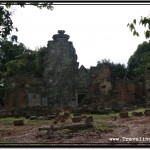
61 67
64 84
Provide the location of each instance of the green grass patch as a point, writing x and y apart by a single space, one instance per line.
112 115
103 126
107 116
34 122
10 120
137 110
4 142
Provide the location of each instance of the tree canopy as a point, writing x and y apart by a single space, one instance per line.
8 52
118 71
17 59
14 56
144 21
30 62
139 61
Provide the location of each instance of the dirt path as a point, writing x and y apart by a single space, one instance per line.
133 127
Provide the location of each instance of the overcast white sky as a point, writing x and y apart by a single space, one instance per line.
97 31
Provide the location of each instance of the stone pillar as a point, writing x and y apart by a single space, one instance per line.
61 68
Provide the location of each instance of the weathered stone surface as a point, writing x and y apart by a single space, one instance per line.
66 115
125 90
23 92
73 126
83 78
147 83
61 68
123 114
42 118
88 120
33 117
147 112
76 114
65 85
137 114
50 117
18 122
77 119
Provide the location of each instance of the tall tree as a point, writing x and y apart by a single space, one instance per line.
30 62
138 62
118 71
16 57
9 51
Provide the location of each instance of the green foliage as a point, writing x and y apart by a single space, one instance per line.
9 63
139 61
10 120
9 51
132 28
39 61
47 5
17 59
112 115
103 126
118 71
21 65
6 24
105 116
30 62
144 21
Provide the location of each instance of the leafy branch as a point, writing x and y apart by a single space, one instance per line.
144 21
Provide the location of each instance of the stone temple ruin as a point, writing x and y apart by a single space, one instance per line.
65 84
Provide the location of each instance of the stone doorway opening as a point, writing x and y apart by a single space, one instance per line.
80 97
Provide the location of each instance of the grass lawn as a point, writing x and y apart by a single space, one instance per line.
112 115
10 120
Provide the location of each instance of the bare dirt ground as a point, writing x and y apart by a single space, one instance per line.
133 127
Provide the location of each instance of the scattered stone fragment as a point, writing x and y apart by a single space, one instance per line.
147 112
49 117
33 117
115 118
137 114
18 122
123 114
88 120
55 122
41 118
76 114
66 114
77 119
68 126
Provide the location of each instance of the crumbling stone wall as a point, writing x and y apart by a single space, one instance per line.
63 83
102 81
61 68
147 83
125 90
19 90
9 102
128 90
83 78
